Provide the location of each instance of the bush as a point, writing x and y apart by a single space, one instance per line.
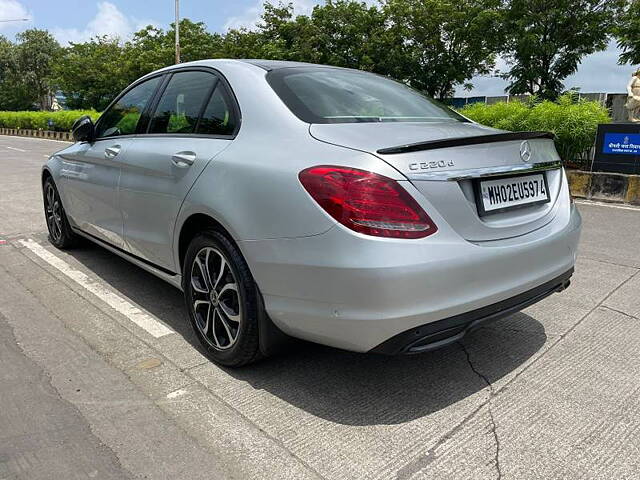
62 120
574 123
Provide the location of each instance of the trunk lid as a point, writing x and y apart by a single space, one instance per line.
446 163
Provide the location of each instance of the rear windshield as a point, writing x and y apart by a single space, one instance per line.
333 95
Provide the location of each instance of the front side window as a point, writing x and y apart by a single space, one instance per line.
333 95
181 103
123 116
219 118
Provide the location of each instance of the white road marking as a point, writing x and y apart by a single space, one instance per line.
610 205
16 149
176 393
120 304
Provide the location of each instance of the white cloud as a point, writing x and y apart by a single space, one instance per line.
12 10
252 15
598 72
108 21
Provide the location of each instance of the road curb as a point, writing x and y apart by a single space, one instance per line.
47 134
606 187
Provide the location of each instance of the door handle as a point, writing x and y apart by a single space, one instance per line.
112 152
183 159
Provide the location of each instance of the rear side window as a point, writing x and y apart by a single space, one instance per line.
219 118
333 95
181 103
123 116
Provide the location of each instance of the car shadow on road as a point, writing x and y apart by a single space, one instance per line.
365 389
345 387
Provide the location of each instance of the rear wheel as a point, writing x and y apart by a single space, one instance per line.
222 300
60 233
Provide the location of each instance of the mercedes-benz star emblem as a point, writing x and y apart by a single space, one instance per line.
525 151
213 298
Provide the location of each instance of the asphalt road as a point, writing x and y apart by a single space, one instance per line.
87 392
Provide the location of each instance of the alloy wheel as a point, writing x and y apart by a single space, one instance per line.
54 213
216 301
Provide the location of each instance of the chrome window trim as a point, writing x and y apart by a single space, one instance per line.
166 135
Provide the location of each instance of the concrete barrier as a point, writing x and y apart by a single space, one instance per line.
605 187
48 134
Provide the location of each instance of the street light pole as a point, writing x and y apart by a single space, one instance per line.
177 31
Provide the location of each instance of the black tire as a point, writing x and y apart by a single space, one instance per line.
226 341
60 233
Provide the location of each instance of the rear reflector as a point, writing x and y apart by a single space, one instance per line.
367 202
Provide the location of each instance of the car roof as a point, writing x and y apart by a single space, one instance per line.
267 65
270 65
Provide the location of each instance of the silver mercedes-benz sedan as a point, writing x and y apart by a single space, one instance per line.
333 205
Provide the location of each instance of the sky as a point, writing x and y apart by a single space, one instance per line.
73 20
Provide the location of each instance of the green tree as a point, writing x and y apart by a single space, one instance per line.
32 63
281 36
628 33
340 32
13 96
435 45
152 48
243 43
547 40
6 51
278 36
196 42
148 50
90 74
347 34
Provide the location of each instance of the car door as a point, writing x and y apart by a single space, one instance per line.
194 119
91 170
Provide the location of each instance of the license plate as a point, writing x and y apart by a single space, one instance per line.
500 194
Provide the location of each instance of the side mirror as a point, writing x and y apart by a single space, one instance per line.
83 129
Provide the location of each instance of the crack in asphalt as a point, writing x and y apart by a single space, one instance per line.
422 461
628 315
492 393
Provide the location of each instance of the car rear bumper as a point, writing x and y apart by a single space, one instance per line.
444 332
360 293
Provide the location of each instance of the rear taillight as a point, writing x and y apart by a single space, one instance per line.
367 202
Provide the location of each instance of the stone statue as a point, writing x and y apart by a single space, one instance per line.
55 106
633 99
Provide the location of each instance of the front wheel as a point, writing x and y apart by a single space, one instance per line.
222 300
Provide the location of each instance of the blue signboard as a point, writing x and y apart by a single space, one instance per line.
621 143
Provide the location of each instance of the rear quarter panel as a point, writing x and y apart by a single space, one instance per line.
252 187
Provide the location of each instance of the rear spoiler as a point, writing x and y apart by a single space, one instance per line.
463 141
